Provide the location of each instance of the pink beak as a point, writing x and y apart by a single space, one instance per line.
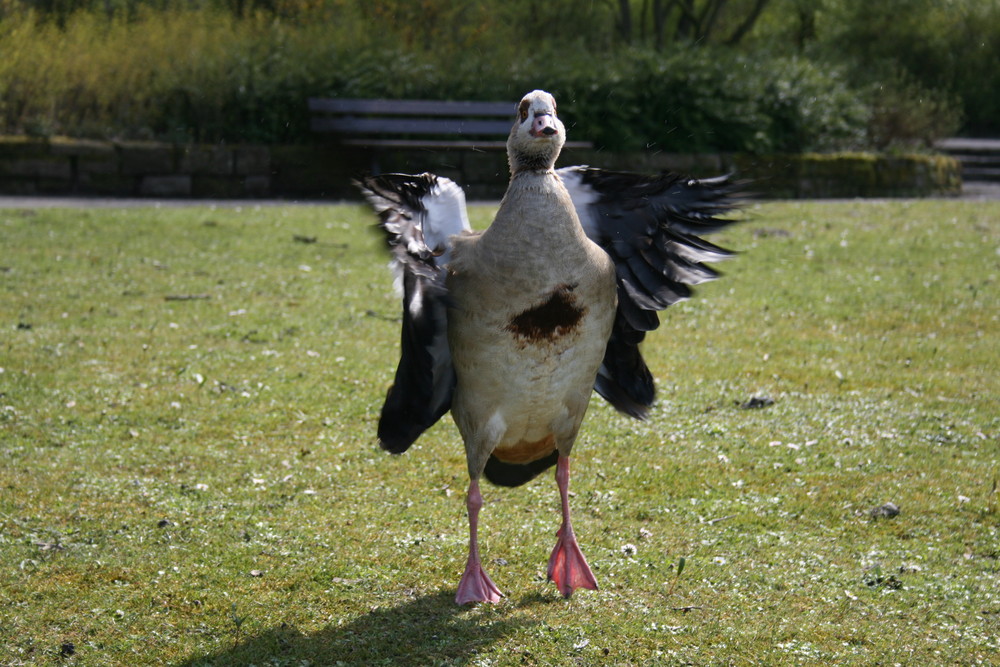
543 125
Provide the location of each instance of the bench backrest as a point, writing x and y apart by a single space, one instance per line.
416 117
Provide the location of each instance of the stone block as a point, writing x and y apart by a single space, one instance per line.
203 159
81 148
217 187
252 160
18 186
147 157
306 171
775 176
108 184
38 166
54 186
23 147
97 164
171 185
257 186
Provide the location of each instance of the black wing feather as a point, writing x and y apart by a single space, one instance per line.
649 225
624 379
425 378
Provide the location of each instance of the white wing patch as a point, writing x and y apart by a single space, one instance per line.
583 197
445 217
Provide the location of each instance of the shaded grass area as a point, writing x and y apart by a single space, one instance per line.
188 471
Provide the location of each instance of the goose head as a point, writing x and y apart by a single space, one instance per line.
537 136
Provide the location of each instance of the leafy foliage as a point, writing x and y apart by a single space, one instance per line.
209 77
801 78
905 114
945 51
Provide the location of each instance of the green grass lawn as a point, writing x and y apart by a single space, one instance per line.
189 473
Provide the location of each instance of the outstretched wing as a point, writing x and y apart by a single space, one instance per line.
651 227
418 215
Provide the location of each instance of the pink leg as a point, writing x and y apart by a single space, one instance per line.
476 585
567 566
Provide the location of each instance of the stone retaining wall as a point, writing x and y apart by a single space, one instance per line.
135 169
147 169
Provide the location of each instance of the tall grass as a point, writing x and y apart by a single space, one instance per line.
178 73
185 73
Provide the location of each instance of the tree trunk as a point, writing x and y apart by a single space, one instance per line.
709 15
660 10
807 27
687 27
748 23
625 20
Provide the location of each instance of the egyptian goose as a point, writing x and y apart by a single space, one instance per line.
513 327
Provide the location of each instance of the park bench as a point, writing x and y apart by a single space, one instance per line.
416 124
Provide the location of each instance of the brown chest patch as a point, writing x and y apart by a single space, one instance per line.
556 317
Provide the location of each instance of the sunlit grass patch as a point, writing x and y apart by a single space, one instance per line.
189 474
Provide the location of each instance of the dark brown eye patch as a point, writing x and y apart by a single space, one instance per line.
522 110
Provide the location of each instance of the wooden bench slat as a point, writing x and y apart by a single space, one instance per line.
478 126
410 126
471 144
430 144
412 107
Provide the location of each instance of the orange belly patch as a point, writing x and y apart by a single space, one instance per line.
526 452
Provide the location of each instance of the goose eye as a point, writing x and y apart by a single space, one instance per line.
522 110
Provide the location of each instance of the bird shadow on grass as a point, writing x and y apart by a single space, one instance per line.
427 630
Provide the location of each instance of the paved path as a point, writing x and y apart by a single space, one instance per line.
970 190
980 160
967 144
135 202
981 190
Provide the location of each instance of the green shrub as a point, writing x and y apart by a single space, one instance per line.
907 115
937 59
205 75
